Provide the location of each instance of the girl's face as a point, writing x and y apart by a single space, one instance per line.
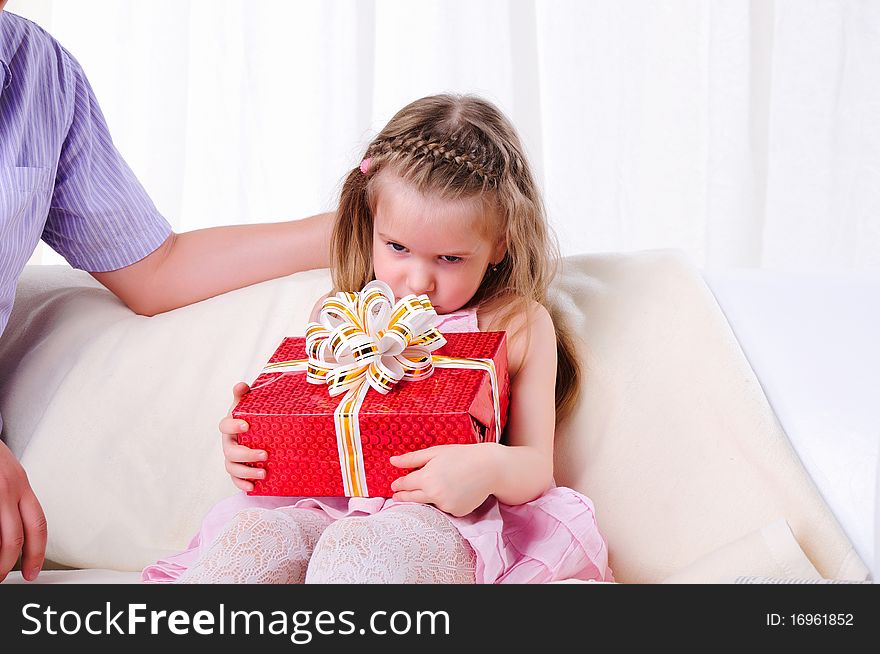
431 246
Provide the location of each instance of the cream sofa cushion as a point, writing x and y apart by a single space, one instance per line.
115 415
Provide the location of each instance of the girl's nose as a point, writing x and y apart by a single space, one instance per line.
420 281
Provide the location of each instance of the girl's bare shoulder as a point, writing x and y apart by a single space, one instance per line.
526 328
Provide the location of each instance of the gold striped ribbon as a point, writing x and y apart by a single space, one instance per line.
366 340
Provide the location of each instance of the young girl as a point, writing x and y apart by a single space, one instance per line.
443 203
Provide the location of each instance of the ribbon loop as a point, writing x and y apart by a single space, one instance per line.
367 337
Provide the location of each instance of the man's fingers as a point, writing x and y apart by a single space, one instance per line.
11 536
35 533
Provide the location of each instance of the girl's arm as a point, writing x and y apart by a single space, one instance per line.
522 470
458 478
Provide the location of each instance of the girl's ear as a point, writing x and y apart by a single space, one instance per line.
499 253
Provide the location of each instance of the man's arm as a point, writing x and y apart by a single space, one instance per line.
200 264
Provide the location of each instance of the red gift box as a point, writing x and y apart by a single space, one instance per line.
293 420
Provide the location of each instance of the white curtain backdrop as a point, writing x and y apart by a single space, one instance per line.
744 132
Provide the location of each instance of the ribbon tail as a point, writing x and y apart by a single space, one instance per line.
487 365
348 441
282 367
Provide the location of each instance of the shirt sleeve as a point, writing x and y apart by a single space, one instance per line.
100 217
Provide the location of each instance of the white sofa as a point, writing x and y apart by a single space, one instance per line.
692 474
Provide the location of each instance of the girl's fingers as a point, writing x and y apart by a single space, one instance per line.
235 453
238 391
415 459
242 471
409 482
232 426
241 484
411 496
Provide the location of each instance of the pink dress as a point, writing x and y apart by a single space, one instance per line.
551 538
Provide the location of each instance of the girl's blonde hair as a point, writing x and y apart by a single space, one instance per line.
461 147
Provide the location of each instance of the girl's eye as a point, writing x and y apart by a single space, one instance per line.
397 247
448 258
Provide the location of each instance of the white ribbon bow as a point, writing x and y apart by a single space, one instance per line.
368 337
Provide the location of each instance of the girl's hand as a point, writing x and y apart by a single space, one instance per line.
237 455
454 478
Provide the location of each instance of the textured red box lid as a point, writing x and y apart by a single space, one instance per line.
293 420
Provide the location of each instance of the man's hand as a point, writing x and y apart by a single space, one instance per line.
237 455
22 522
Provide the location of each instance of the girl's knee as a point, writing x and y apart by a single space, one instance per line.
348 552
394 546
342 534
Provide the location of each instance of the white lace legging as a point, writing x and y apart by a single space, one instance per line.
409 543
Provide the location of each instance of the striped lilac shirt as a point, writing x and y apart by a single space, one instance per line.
61 178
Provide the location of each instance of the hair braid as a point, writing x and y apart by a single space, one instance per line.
420 146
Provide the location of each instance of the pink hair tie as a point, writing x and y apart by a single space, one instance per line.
365 165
